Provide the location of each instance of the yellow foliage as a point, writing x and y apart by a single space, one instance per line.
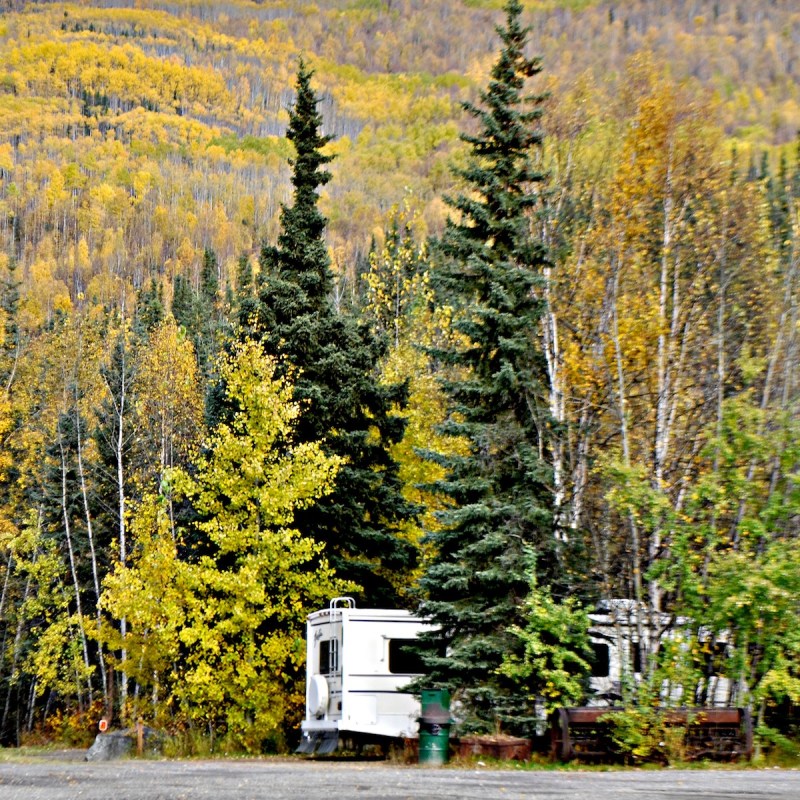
238 612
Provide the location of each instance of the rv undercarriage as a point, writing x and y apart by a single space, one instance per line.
319 743
323 743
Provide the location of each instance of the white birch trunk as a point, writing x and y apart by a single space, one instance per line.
120 405
661 442
15 656
72 566
556 407
123 545
636 557
92 553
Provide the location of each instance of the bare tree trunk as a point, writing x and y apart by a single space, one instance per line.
72 566
569 475
557 407
721 365
123 551
662 430
92 553
580 469
6 579
15 657
636 554
31 705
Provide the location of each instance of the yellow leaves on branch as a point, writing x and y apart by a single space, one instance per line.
247 488
169 401
7 528
253 475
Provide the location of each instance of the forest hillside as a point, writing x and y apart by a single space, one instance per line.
370 297
136 135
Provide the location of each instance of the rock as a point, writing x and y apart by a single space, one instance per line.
110 746
119 744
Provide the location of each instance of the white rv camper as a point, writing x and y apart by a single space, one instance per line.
357 663
616 628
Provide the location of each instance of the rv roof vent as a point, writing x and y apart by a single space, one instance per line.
343 602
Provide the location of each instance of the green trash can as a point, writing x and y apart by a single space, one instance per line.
434 727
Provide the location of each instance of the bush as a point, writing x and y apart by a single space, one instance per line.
645 734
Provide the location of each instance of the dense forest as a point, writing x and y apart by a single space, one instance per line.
376 297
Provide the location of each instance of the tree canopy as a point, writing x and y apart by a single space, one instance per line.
492 272
337 359
547 364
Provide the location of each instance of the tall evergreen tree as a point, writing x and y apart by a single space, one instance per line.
200 312
491 269
9 305
149 312
209 314
244 302
209 277
182 302
335 358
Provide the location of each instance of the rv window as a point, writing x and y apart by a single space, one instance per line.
600 660
402 658
715 660
636 656
328 656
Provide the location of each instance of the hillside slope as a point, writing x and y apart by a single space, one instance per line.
134 135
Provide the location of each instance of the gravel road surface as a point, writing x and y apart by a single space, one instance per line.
68 778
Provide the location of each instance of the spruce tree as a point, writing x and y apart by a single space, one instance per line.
200 312
209 278
334 362
183 302
210 325
9 305
490 268
244 304
149 310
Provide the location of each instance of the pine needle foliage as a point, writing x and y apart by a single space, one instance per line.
491 271
337 360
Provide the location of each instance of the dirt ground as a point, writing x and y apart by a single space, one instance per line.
65 776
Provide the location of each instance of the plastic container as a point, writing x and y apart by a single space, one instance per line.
434 727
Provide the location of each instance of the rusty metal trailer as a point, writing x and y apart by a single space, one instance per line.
722 734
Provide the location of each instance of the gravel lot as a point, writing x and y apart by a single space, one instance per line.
68 778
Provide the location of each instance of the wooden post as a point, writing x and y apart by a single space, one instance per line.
139 736
109 715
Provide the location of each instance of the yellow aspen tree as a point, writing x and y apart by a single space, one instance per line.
248 578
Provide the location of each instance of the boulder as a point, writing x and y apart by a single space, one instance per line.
112 745
120 744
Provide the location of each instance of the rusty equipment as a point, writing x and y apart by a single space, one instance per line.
721 734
